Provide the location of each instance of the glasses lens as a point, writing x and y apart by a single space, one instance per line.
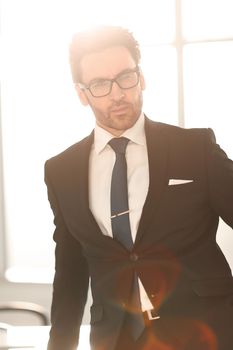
100 88
127 80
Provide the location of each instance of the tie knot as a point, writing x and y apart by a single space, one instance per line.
119 144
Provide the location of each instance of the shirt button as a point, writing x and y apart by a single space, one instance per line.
134 257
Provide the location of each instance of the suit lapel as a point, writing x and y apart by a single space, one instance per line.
79 185
157 145
80 192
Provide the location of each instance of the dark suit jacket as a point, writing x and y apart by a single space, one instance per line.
175 254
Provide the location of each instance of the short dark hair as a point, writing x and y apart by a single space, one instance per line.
99 39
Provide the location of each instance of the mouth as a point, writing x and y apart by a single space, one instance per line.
119 109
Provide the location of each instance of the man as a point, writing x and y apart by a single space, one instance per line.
170 277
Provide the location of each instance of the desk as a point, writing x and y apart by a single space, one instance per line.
35 338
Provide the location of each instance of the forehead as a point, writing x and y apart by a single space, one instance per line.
106 63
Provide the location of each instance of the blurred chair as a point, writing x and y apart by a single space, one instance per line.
22 313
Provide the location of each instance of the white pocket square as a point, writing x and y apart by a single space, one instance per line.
173 182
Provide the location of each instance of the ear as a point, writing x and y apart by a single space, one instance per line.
142 81
82 96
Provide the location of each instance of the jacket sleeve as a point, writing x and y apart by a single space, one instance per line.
220 179
70 285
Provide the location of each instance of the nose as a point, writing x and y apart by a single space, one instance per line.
117 93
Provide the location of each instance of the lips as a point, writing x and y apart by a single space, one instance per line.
119 109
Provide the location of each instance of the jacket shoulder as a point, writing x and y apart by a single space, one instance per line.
175 129
176 133
73 150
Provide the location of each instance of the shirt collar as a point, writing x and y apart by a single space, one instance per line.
135 134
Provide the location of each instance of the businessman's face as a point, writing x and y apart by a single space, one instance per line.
121 107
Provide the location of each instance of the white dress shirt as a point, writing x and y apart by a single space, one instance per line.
102 159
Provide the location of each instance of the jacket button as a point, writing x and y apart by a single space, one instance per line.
153 296
134 257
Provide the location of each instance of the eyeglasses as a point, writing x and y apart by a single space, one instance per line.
103 87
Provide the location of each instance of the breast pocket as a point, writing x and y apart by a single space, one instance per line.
184 201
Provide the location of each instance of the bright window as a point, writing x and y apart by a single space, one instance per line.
207 19
208 82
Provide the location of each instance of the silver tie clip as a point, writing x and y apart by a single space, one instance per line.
119 214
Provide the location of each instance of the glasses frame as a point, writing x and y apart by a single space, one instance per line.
134 70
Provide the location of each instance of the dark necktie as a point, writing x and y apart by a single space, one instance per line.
121 225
